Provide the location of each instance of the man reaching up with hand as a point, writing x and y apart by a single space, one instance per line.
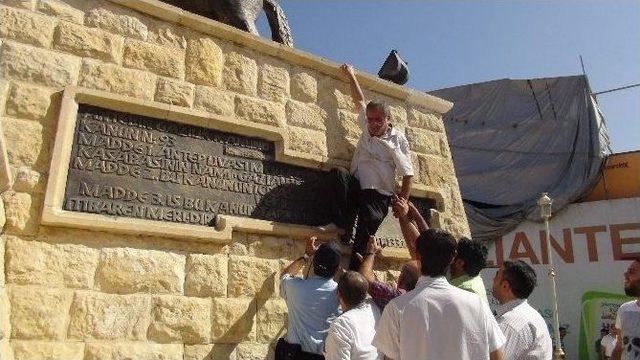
366 190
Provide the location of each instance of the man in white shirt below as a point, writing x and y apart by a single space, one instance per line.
525 329
628 318
367 188
437 320
350 335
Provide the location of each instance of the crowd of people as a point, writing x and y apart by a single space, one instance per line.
424 316
439 308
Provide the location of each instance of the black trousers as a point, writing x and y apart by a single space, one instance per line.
287 351
349 201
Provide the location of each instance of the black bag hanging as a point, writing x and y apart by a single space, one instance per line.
394 69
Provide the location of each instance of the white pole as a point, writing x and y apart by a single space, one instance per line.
558 353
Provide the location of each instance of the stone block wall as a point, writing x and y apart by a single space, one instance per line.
76 294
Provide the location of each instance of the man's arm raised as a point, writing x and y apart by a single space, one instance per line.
411 221
293 268
356 92
410 233
368 259
415 215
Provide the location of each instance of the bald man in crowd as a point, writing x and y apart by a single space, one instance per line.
350 335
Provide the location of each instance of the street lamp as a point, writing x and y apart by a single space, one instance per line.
545 212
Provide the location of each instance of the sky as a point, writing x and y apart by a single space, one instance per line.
450 43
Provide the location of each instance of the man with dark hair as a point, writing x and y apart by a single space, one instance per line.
628 318
421 324
351 334
525 329
366 189
465 270
312 302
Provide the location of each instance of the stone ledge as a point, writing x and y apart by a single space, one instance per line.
219 30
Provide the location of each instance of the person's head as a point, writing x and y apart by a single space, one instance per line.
377 118
563 331
409 275
471 258
632 279
436 249
514 280
352 289
604 331
326 260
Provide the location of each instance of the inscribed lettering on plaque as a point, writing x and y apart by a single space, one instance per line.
127 165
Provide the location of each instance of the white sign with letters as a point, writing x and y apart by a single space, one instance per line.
589 243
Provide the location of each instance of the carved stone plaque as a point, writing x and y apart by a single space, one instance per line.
127 165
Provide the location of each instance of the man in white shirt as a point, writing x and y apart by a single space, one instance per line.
437 320
628 317
350 335
525 329
367 188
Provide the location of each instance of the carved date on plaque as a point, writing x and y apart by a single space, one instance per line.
127 165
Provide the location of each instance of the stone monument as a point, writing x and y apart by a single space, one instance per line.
158 169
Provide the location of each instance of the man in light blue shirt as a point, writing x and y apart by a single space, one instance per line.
312 302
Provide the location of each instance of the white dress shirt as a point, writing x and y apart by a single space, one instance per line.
526 332
437 321
351 334
608 343
628 322
376 159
